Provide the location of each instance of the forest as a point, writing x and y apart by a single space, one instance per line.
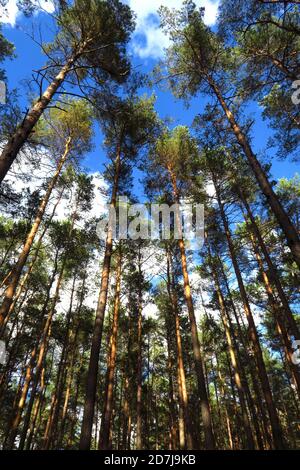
141 342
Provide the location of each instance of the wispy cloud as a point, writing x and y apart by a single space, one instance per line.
148 40
9 14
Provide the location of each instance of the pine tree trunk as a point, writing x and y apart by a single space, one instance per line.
139 443
16 142
274 276
186 440
233 358
253 335
57 396
227 413
205 409
13 278
282 217
255 405
173 421
112 355
31 266
89 404
278 317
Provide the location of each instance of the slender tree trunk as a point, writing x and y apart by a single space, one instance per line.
72 366
127 388
278 317
89 405
227 413
173 421
112 355
181 379
57 395
274 275
139 444
21 135
282 217
255 406
205 409
233 358
253 335
14 276
31 265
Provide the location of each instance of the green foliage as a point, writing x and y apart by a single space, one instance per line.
74 121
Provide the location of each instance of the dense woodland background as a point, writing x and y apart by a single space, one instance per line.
182 349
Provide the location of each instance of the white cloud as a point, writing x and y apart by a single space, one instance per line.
10 13
148 39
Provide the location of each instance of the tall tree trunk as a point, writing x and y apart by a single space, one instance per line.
139 443
127 388
251 403
57 394
31 265
274 275
276 310
112 355
282 217
253 335
204 402
173 419
186 438
227 413
14 276
89 404
21 135
18 408
233 357
70 372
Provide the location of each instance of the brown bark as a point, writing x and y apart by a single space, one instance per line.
255 404
253 335
14 276
139 442
57 395
204 402
233 358
30 267
21 135
226 410
277 313
186 440
274 276
112 355
173 418
127 389
89 405
282 217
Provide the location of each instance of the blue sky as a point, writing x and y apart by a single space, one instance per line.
146 48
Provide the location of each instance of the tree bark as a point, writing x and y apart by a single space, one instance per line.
233 357
16 142
14 276
282 217
253 335
89 404
204 402
274 276
186 440
112 355
139 442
